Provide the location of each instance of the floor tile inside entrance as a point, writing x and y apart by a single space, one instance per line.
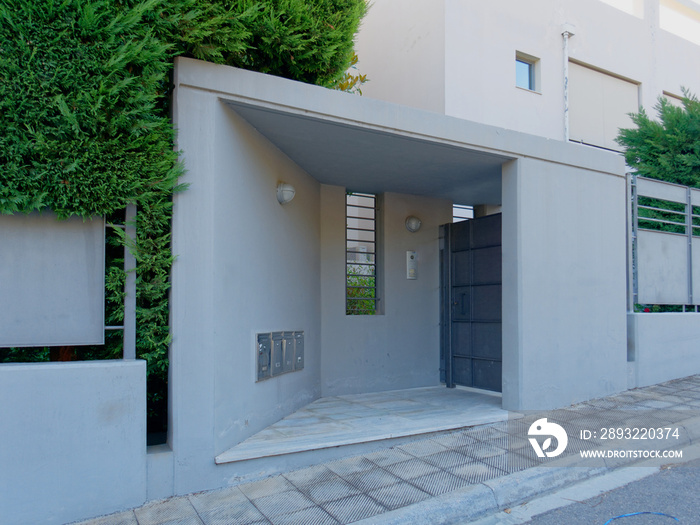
344 420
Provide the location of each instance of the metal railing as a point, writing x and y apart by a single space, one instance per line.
664 244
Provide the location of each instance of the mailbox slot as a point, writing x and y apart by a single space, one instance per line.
264 347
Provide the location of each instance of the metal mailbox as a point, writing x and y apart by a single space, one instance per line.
279 353
288 351
298 350
263 355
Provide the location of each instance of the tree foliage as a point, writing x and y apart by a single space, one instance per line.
669 148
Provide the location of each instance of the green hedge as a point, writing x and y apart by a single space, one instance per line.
84 117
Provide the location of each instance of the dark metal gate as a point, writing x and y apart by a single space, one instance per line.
470 350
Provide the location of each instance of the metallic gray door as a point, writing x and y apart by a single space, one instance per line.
471 352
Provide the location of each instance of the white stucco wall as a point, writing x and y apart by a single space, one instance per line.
404 40
398 348
564 284
479 43
72 440
663 347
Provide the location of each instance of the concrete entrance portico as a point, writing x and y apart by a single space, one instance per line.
370 418
247 265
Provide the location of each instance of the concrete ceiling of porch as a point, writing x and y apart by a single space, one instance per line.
366 159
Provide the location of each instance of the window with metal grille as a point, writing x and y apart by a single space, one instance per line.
361 297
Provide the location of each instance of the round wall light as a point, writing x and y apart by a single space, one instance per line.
285 192
413 223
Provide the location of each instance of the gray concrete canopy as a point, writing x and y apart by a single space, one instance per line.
376 161
375 146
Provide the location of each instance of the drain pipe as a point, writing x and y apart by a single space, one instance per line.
566 34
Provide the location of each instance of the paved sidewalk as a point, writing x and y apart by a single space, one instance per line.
449 478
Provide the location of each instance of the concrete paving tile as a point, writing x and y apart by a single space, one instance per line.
689 394
388 456
516 443
173 511
283 503
330 490
119 518
240 513
482 450
311 475
604 403
439 483
412 468
398 495
692 403
657 403
447 459
476 471
512 461
486 433
371 479
204 501
455 439
310 516
662 389
353 508
343 467
423 447
266 487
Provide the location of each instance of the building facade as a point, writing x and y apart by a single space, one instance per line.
520 65
466 104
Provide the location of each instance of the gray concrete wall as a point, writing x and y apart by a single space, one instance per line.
663 347
398 348
73 440
564 284
54 271
245 265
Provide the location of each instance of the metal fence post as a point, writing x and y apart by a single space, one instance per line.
631 242
689 232
130 286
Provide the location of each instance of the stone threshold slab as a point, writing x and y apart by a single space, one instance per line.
379 424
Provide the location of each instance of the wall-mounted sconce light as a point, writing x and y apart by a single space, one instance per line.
285 192
413 223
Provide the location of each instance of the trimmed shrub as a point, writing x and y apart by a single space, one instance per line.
667 149
85 128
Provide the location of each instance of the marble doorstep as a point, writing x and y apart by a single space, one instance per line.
363 418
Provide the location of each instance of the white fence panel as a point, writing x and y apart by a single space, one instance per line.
665 256
663 268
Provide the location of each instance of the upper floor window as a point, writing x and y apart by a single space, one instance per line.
526 71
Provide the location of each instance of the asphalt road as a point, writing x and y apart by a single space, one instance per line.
674 491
